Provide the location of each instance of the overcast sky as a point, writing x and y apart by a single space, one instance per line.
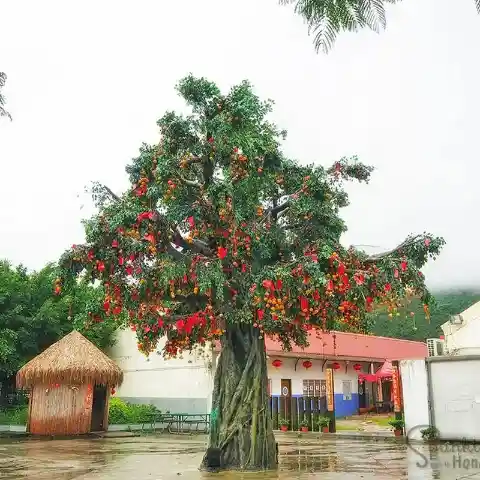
86 84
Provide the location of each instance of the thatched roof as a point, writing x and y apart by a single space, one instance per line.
72 360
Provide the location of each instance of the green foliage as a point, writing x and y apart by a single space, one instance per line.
304 423
416 326
284 422
430 433
327 18
397 424
120 413
14 416
123 413
32 318
220 228
323 422
3 112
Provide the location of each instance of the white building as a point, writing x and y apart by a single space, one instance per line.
184 385
462 332
181 385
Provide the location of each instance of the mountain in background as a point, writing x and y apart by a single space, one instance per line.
417 327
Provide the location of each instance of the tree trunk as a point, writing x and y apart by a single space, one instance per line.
241 430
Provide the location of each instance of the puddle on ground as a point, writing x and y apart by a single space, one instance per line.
169 457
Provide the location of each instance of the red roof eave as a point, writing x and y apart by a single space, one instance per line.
350 346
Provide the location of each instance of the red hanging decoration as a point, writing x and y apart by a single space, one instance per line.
335 365
357 367
277 363
307 364
112 392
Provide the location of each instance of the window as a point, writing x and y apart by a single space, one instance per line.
314 388
347 389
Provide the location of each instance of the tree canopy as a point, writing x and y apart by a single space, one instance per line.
327 18
32 318
220 227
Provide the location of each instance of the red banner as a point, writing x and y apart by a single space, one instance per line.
397 395
329 385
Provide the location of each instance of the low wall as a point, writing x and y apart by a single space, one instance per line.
415 397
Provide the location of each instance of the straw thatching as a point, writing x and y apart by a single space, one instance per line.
73 360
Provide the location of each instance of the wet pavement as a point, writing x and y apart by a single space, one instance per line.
168 457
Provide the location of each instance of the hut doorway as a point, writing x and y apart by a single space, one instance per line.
99 405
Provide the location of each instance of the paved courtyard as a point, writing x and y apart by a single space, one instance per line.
157 457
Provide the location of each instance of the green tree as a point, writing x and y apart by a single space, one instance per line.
32 318
221 237
414 325
3 112
327 18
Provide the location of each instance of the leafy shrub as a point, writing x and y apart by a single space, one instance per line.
323 422
121 412
430 433
14 416
284 422
397 424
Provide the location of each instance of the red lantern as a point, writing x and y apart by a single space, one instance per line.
307 364
335 365
357 367
112 392
277 363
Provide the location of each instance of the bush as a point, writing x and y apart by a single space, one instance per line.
14 416
120 412
123 413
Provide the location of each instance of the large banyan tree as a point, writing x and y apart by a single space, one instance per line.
223 238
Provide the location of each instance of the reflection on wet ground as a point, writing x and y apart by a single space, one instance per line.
152 457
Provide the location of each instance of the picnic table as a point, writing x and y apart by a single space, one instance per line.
178 421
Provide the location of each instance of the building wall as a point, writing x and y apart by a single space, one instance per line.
181 385
415 397
443 392
455 396
344 405
463 339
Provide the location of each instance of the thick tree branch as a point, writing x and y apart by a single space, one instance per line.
196 245
191 183
280 208
185 162
113 195
405 243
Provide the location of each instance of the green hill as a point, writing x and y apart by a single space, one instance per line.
416 327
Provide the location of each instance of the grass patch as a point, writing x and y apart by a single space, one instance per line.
381 421
347 428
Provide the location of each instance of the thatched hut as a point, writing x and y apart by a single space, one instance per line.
69 385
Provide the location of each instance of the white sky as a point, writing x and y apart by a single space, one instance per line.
86 84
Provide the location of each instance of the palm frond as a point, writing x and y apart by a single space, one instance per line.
327 18
3 112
